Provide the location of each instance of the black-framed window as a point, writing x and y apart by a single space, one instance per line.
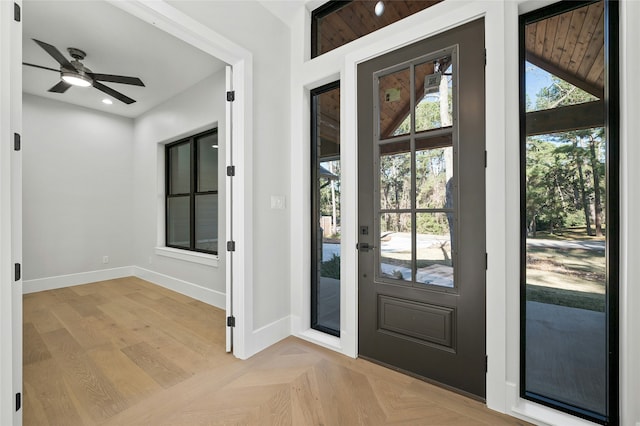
569 184
339 22
192 193
326 211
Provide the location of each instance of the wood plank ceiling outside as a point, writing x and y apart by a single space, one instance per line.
571 46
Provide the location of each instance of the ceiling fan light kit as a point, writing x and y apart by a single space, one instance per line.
76 78
74 73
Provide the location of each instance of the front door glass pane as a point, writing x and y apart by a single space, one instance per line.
394 102
396 261
433 248
395 181
434 178
434 94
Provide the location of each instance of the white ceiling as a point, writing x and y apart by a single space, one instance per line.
115 43
286 10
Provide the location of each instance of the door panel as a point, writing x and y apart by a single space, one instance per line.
422 209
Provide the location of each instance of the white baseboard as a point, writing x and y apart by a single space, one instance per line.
268 335
202 294
206 295
60 281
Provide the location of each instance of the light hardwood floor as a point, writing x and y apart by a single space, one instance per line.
127 352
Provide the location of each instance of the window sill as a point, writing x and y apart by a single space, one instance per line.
188 256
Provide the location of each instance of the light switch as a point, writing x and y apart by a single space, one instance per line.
277 202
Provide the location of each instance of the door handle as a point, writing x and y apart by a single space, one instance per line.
364 247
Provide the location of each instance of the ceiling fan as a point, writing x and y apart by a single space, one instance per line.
74 73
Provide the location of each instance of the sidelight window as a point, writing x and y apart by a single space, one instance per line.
569 219
326 211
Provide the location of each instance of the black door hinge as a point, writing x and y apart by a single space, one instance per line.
16 12
18 401
486 363
231 170
231 321
485 159
486 261
17 142
485 57
231 246
17 272
231 96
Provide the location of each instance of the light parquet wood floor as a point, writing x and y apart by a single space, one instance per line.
127 352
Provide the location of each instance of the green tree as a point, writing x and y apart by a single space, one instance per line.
581 155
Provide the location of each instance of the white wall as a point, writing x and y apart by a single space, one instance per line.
196 109
76 189
251 26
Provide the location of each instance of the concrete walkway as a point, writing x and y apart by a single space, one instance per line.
566 354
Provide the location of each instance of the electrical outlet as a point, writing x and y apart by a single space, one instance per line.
105 259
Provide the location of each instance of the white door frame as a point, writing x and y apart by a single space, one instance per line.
187 29
10 213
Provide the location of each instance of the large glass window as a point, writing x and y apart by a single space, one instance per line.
569 212
192 193
339 22
326 212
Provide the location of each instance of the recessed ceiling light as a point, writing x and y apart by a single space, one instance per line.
379 9
107 101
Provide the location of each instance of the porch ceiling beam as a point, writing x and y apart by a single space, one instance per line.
565 119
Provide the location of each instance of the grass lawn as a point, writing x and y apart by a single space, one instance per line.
567 277
578 233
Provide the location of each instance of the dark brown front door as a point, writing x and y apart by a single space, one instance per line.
421 159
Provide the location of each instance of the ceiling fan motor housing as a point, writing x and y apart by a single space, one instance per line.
76 53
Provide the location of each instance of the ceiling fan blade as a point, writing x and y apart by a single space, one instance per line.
109 91
55 53
40 66
117 79
61 87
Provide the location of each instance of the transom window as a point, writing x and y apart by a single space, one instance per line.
339 22
192 193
